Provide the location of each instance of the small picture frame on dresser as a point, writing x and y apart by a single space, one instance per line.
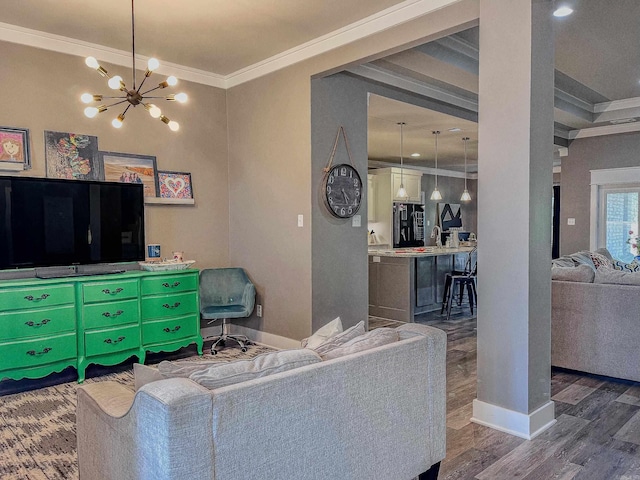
14 149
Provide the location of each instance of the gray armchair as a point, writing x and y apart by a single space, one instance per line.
226 293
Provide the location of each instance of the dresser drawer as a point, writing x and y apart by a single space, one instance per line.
112 340
100 315
37 296
111 290
164 331
32 353
169 305
37 322
169 284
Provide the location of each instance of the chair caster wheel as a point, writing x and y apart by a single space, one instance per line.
214 352
243 349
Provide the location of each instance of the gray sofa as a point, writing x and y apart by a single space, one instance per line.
376 414
595 319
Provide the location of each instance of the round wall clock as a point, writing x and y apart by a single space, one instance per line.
342 191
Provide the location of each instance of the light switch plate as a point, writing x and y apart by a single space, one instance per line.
376 259
571 221
301 220
356 221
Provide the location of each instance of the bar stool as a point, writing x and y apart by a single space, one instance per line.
461 281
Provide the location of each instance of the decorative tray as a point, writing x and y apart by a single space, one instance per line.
165 265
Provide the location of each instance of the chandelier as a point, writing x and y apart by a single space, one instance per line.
134 96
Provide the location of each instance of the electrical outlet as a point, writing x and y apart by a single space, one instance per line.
259 310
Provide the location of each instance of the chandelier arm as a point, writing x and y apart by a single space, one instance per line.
116 103
147 98
133 44
149 91
141 83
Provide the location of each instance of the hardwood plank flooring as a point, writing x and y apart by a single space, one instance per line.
596 436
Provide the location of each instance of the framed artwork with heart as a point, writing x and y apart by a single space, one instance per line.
175 185
130 168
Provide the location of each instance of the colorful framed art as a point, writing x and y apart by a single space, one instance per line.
72 156
130 168
175 185
14 149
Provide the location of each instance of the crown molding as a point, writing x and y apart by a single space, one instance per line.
71 46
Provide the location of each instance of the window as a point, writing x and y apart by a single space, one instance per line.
615 210
619 216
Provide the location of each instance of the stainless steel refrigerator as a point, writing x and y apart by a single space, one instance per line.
408 225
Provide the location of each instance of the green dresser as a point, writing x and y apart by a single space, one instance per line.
48 325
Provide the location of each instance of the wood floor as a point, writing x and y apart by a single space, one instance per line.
597 434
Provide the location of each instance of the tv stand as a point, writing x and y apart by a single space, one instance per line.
47 325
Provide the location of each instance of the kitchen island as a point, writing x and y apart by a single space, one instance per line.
404 282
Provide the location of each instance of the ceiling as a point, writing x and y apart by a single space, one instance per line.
597 59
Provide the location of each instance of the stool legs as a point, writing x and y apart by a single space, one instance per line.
450 285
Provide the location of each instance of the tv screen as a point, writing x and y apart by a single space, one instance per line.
50 222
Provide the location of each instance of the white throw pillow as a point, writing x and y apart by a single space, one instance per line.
340 339
144 374
371 339
230 373
331 329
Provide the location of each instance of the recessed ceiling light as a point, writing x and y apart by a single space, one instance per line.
455 129
563 11
415 154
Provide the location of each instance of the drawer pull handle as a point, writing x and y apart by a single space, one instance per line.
31 298
31 323
117 340
116 314
168 285
106 291
171 307
33 353
169 330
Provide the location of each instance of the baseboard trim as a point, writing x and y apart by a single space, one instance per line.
256 336
527 426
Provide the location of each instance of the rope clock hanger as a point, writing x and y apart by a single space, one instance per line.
342 185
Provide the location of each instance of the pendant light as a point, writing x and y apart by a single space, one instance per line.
466 197
436 195
402 192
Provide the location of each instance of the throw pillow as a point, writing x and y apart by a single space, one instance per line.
582 258
340 339
609 275
626 267
564 261
331 329
604 251
144 374
230 373
599 260
372 339
579 273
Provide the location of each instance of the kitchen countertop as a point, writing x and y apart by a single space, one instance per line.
418 251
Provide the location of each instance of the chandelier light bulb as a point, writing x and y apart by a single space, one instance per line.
181 97
154 111
402 192
117 122
173 81
86 98
153 64
91 112
115 82
91 62
174 126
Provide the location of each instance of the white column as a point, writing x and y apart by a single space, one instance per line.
514 216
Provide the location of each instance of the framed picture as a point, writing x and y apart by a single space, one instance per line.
130 168
449 216
14 149
72 156
175 185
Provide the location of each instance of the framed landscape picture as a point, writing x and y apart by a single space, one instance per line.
14 149
130 168
72 156
175 185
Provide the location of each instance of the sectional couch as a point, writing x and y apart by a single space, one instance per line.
378 414
595 316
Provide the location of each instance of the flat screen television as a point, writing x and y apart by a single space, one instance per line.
48 222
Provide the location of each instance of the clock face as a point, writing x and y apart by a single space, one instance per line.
343 191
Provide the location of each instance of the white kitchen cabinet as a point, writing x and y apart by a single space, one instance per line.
371 198
412 184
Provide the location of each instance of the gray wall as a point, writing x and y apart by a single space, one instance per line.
451 188
612 151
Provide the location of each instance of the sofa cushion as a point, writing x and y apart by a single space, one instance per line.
340 339
331 329
564 261
144 374
185 369
229 373
579 273
609 275
626 267
583 258
371 339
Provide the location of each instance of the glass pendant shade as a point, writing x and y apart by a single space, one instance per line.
402 192
436 195
466 196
